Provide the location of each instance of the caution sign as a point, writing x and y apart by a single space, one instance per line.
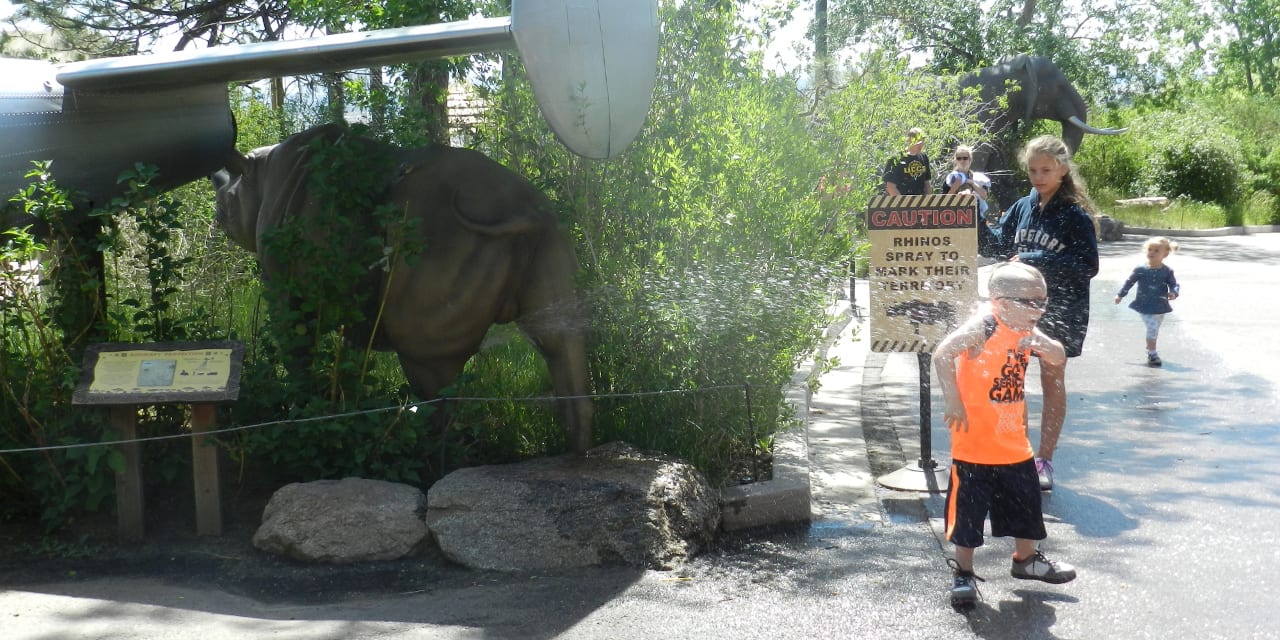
124 373
923 268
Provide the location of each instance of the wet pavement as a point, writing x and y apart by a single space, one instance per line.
1167 501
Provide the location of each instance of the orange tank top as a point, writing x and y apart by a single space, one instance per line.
993 390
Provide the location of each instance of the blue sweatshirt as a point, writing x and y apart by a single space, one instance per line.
1061 241
1154 287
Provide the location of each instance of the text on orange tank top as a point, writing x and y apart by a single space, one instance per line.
993 390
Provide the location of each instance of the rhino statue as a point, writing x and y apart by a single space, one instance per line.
491 253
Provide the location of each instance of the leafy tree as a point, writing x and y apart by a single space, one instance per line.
1252 55
1092 41
1235 44
95 28
408 102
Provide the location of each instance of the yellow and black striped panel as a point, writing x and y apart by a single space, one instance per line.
931 201
902 346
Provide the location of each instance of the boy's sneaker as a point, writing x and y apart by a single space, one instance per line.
1153 360
1038 567
1044 470
964 587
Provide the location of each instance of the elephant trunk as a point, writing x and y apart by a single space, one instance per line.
1095 130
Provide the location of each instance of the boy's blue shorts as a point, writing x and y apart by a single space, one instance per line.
1009 493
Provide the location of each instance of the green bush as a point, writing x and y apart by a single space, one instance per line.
1255 123
1260 207
1111 164
1189 151
1206 169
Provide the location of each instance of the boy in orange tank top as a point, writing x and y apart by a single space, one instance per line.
982 373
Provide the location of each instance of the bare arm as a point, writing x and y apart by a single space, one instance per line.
1053 386
891 189
959 342
1050 351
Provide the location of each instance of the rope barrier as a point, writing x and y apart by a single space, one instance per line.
408 407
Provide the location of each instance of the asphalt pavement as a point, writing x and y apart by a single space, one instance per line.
1160 505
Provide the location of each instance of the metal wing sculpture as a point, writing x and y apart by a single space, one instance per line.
591 63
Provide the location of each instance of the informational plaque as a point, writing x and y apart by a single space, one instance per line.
923 269
151 373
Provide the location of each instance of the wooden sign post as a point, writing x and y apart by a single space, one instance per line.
125 376
924 283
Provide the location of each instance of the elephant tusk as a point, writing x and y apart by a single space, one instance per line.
1102 132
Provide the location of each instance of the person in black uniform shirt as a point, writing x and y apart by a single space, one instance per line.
909 174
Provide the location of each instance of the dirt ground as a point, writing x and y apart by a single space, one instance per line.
172 551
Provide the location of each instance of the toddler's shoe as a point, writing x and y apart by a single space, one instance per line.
1153 360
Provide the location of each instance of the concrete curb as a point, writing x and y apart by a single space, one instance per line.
1202 233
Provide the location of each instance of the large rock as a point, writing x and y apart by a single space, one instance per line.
613 506
1110 229
343 521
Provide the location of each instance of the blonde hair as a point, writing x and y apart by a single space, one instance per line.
1009 277
1169 245
1073 189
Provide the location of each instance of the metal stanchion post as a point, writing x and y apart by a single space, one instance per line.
924 474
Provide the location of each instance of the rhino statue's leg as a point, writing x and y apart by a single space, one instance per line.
427 376
553 318
566 356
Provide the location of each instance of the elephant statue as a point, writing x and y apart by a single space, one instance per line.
491 253
1036 90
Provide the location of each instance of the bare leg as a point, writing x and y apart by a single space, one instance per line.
964 558
1054 391
1024 548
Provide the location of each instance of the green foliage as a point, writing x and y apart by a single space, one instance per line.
1112 163
719 328
1191 151
1219 150
1205 169
864 124
510 426
45 331
1260 208
145 239
1182 213
1090 41
705 249
257 124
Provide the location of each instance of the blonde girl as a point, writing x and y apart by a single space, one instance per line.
1156 287
1052 230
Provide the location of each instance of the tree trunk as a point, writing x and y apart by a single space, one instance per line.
430 86
1028 13
377 102
821 54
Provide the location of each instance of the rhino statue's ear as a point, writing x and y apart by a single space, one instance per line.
234 163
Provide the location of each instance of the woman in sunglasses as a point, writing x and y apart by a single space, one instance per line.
1053 230
965 180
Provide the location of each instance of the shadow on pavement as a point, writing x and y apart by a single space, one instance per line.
1030 617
